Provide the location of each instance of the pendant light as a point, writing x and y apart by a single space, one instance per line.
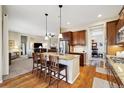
60 34
46 37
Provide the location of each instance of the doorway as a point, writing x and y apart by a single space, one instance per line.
97 45
24 45
20 63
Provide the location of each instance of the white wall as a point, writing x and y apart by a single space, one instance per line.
0 44
5 48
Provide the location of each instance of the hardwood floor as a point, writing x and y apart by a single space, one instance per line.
29 80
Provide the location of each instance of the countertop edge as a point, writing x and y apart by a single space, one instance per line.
112 64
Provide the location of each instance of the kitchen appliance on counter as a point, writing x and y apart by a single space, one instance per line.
118 60
120 54
120 36
63 47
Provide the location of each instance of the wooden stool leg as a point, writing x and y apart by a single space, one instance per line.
45 74
33 69
50 78
66 75
40 71
58 79
37 69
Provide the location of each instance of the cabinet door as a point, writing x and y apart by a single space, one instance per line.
111 32
67 36
81 37
75 38
64 36
121 20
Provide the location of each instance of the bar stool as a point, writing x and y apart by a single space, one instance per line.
36 62
44 65
55 69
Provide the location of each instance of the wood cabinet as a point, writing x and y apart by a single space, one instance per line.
121 19
67 36
111 32
75 38
79 38
120 28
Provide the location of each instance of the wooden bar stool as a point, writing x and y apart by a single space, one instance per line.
44 65
36 62
55 69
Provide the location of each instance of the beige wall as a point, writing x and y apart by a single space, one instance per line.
0 44
16 36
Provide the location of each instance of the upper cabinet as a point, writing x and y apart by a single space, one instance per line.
67 36
75 38
79 38
115 33
120 28
111 32
121 19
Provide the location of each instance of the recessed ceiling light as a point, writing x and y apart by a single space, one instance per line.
68 23
99 16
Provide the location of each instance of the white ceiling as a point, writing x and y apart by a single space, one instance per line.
30 19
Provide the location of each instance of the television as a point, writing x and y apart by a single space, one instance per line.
36 47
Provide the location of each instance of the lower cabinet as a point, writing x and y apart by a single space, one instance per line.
113 79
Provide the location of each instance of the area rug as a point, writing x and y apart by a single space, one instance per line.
97 62
19 66
101 70
100 83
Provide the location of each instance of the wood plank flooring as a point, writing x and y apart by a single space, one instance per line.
29 80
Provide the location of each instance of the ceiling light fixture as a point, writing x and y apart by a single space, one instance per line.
46 37
99 16
60 34
68 23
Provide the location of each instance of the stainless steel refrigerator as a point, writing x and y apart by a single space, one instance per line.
64 47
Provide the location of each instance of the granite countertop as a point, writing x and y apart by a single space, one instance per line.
118 67
63 57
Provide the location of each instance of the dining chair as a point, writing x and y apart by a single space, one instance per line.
55 68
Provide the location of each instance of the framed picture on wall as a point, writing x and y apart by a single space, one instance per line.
11 43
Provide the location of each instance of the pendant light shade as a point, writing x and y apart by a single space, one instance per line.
46 37
60 34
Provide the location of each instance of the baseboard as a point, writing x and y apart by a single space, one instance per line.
71 82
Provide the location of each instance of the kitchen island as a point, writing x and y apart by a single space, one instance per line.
72 62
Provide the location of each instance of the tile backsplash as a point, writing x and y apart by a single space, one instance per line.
79 49
113 49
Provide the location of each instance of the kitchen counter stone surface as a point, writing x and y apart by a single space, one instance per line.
63 57
118 67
